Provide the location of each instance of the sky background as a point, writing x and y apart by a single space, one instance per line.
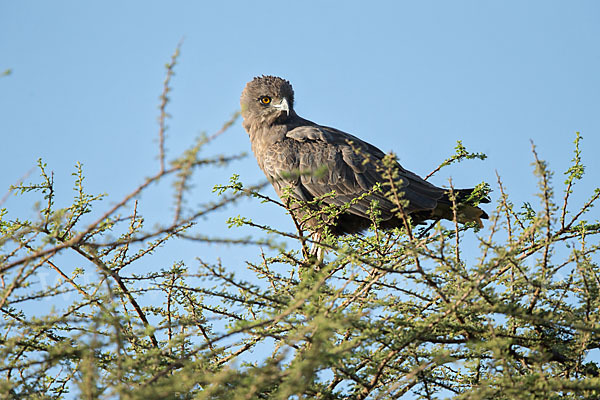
412 77
409 77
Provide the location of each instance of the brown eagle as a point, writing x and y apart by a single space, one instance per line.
290 150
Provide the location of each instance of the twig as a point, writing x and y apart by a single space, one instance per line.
164 99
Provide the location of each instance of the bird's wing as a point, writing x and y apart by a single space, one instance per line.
351 168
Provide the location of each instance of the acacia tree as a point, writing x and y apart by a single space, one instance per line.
406 313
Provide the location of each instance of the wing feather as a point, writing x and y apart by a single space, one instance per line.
352 167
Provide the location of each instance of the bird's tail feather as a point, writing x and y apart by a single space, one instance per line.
466 206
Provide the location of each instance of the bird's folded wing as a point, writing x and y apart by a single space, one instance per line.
345 164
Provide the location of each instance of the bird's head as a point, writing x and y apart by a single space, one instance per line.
267 100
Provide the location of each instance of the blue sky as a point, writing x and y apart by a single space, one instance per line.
412 77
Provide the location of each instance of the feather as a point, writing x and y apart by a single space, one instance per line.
315 160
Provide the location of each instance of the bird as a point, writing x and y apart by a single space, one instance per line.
322 166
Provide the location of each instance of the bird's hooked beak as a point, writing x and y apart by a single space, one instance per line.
283 106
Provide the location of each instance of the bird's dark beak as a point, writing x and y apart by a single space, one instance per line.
283 106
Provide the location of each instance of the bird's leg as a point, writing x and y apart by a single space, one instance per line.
316 250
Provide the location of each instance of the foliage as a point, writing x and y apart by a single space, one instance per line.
417 312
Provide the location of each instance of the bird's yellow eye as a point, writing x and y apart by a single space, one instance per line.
265 99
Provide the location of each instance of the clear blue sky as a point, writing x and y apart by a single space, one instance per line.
412 77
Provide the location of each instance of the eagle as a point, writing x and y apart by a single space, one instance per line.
322 166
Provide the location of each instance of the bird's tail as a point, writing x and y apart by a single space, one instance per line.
466 201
